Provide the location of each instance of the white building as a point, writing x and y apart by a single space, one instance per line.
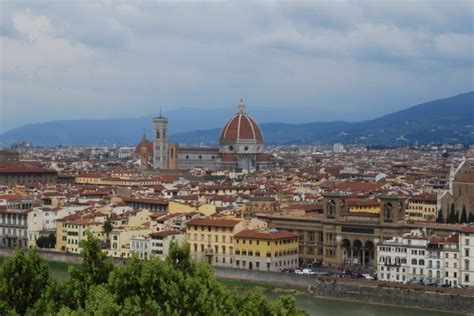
416 257
466 247
161 241
41 221
401 259
450 248
338 148
155 244
435 261
141 246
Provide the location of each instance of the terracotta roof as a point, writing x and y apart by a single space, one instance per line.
218 222
358 186
147 201
266 235
24 169
165 233
229 158
468 229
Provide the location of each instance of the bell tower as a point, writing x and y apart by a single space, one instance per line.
160 142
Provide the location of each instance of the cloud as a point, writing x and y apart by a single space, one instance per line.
119 58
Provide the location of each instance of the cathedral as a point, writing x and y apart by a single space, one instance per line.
241 146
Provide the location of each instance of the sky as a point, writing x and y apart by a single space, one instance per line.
328 60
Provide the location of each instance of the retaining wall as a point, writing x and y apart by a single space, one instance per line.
440 299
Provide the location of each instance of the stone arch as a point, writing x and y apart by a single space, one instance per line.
388 211
331 208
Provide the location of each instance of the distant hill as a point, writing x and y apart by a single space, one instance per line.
449 120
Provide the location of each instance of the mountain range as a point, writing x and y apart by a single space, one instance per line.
449 120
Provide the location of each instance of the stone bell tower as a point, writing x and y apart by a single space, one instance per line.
160 143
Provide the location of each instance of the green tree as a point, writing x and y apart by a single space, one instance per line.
23 279
101 302
452 215
440 218
471 217
107 229
94 270
46 242
463 219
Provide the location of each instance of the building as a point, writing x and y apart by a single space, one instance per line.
422 207
466 247
401 259
450 246
9 157
461 189
266 250
41 221
338 148
144 153
212 239
13 227
14 174
160 242
241 146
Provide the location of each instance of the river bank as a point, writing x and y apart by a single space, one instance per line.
327 297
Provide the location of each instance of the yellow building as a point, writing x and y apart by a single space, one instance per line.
423 207
363 206
138 224
120 240
266 250
212 239
205 209
70 231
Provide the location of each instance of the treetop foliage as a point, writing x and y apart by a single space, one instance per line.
176 286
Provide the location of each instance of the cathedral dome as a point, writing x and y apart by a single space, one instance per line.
241 128
145 144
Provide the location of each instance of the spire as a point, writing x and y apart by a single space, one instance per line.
241 108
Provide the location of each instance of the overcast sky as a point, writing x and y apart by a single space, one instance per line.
349 60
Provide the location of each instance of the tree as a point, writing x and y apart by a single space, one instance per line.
452 215
471 217
23 279
107 229
440 218
463 219
46 242
94 270
177 286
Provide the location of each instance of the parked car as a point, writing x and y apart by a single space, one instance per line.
368 276
308 272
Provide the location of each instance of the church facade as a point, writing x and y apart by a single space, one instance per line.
241 146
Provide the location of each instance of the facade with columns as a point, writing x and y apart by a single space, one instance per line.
339 237
241 146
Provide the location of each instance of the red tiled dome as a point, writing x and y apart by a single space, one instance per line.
146 143
241 127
